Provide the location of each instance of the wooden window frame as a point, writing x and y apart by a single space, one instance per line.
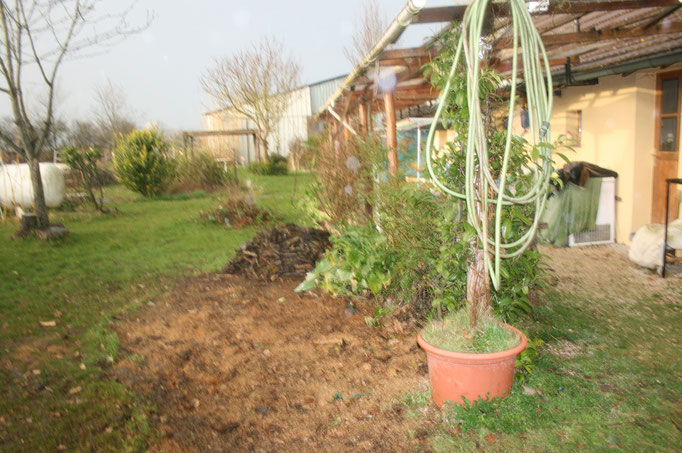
659 115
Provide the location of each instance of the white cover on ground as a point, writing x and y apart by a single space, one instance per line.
16 188
647 244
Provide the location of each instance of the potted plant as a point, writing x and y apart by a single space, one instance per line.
500 181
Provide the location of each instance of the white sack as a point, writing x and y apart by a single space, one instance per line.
16 188
647 244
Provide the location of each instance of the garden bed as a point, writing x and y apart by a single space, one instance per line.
235 364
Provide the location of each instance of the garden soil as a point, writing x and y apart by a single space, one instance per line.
242 365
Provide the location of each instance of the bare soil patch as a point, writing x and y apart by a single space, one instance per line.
605 273
238 365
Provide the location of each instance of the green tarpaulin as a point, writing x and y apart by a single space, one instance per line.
570 211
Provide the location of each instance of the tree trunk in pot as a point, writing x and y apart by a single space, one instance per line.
478 287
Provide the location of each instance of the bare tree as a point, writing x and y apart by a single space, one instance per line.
35 38
85 134
112 114
366 32
255 83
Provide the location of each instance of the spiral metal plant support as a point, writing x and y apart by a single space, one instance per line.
484 195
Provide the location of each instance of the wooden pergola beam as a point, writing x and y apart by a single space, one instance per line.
378 104
412 52
230 132
417 61
450 13
423 88
417 97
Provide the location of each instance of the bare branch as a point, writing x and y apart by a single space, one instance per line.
366 32
7 139
112 115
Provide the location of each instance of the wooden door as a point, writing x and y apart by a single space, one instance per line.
667 135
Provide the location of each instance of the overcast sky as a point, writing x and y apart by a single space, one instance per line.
159 69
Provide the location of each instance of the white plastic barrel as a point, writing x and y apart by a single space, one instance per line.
16 188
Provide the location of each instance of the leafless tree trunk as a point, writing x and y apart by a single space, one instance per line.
255 83
35 38
366 32
478 279
478 287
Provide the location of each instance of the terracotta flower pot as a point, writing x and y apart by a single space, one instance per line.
455 375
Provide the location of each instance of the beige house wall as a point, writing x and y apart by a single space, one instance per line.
618 121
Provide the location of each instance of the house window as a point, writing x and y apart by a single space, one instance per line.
668 134
574 127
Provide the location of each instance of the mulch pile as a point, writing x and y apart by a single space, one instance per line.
288 251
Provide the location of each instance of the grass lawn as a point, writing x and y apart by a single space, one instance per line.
56 394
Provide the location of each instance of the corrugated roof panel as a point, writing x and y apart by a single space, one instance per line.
321 91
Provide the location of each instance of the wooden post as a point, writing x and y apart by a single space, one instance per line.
362 112
391 133
235 163
368 108
346 132
258 145
250 143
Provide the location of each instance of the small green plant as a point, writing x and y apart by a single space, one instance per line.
236 211
276 165
358 263
489 335
526 360
379 312
199 171
142 162
84 161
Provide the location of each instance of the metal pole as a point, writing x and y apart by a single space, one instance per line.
667 207
419 153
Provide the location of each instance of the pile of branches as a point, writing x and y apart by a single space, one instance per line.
288 251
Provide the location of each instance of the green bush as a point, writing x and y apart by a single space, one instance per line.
420 258
199 172
277 159
142 162
274 166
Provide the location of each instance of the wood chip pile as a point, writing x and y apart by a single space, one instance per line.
288 251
